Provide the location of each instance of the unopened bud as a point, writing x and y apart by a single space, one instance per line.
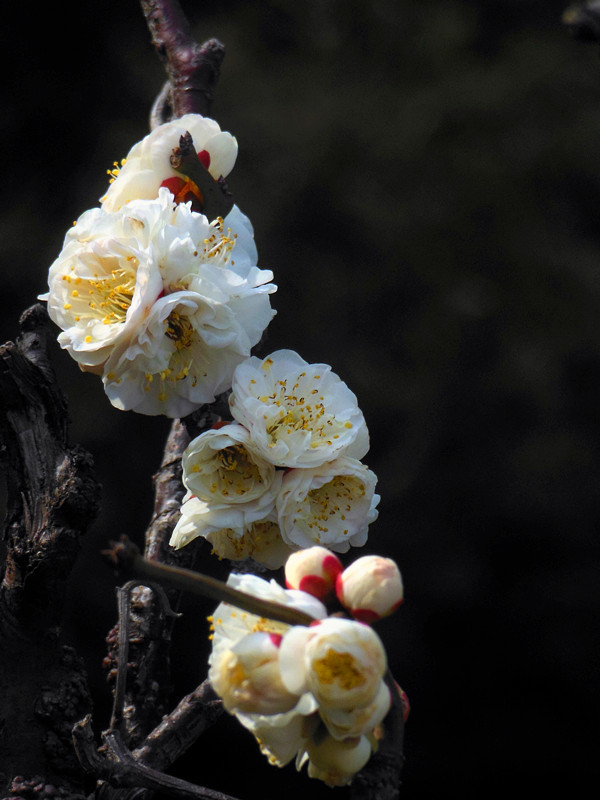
313 570
370 588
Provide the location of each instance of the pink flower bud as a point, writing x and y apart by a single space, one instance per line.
313 570
370 588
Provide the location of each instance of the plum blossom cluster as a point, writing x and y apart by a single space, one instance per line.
153 291
315 694
285 473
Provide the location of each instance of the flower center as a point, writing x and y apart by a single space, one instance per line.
107 297
256 539
331 503
235 473
180 330
338 668
302 409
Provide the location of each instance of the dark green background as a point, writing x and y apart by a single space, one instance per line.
424 180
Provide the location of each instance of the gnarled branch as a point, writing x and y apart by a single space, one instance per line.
193 69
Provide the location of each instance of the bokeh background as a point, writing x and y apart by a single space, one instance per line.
423 178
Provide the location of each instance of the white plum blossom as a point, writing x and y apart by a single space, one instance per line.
247 679
231 498
230 625
314 693
233 531
161 302
147 165
299 414
104 282
221 468
331 505
341 662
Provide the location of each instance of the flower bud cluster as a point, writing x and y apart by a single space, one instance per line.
152 291
315 694
286 473
369 588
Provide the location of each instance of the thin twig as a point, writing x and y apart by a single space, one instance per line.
129 561
124 606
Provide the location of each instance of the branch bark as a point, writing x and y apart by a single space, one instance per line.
121 770
52 499
193 69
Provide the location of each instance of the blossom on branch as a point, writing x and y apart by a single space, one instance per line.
299 414
330 505
313 693
161 302
147 166
340 661
222 468
231 497
282 486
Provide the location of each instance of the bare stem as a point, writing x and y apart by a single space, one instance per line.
129 561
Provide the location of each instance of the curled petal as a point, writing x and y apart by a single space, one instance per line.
343 724
247 678
337 762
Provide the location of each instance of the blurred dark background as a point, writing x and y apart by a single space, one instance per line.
424 180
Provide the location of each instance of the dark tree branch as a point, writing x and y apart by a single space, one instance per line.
52 491
128 560
194 714
117 766
52 499
192 68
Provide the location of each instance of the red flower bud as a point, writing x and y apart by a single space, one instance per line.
313 570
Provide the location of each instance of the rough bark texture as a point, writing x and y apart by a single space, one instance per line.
52 496
192 68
